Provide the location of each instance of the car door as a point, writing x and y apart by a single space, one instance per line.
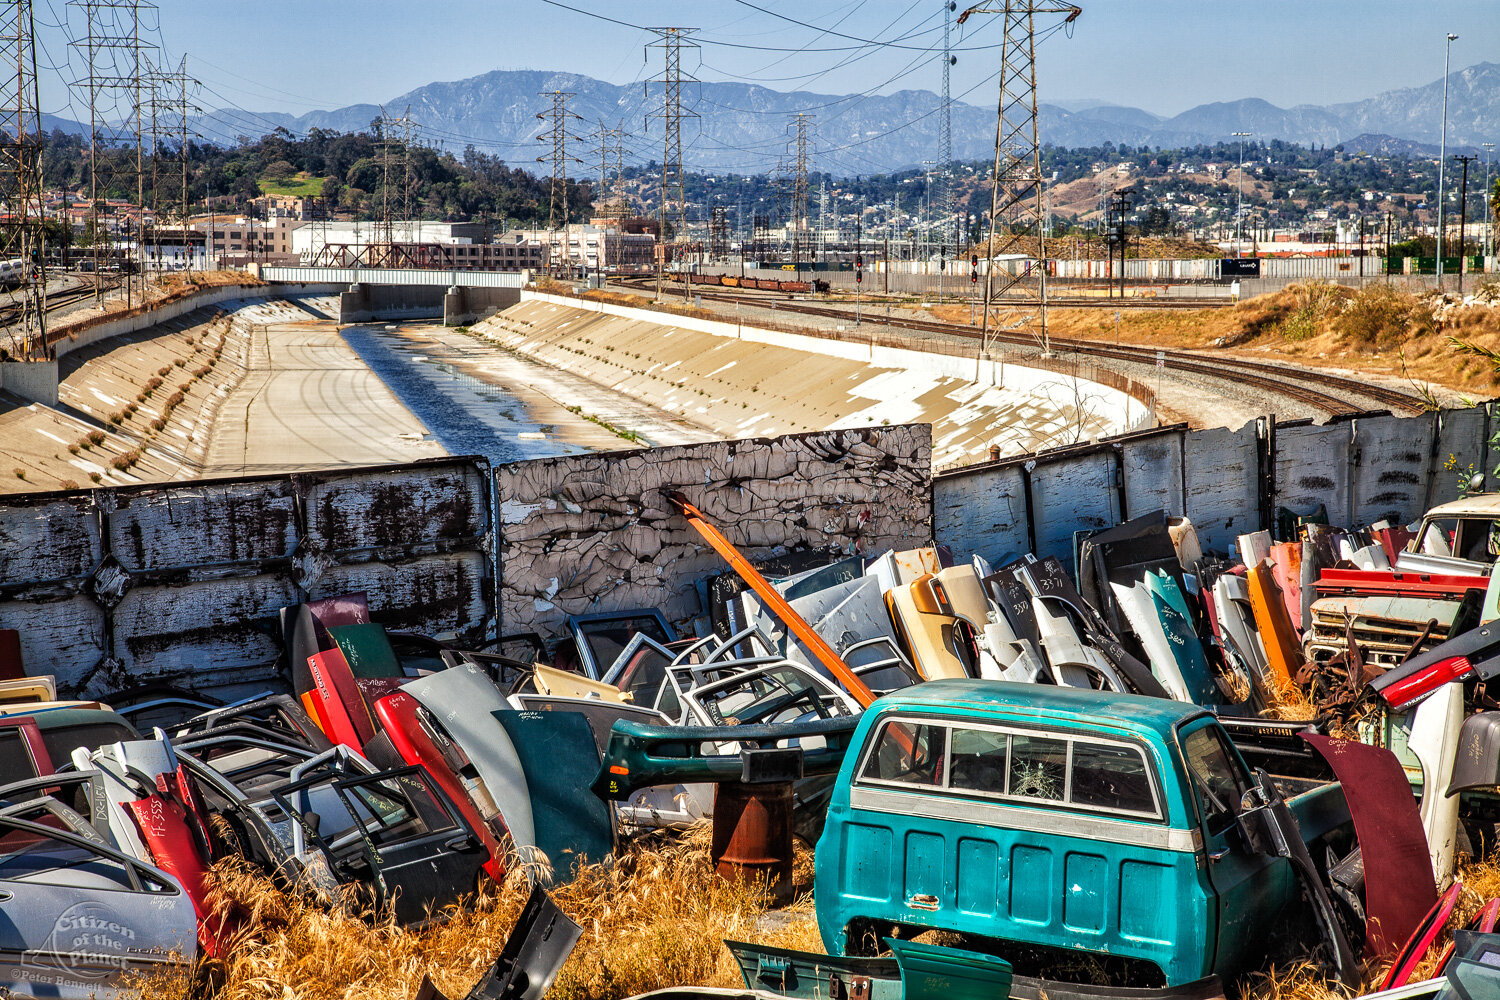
424 853
77 917
1247 886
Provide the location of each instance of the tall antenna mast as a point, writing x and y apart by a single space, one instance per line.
1016 198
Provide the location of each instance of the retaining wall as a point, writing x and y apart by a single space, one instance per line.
1229 482
182 583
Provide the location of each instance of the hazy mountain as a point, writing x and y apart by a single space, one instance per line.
744 128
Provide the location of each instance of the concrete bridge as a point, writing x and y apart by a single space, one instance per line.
457 297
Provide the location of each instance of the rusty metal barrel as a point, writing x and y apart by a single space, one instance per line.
752 834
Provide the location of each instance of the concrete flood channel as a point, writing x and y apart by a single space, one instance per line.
479 399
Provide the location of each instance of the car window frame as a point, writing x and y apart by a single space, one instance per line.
1159 814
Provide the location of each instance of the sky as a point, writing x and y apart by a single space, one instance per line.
1161 55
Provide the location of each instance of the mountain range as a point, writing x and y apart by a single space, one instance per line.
744 128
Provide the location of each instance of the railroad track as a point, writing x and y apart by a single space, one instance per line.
10 311
1315 389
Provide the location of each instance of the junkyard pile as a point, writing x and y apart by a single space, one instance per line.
1016 756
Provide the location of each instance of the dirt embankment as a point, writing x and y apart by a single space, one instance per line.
1375 331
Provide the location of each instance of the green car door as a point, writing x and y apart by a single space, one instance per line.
1248 888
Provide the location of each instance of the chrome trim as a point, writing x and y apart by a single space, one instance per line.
1010 816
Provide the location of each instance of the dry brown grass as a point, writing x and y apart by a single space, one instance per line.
1378 330
657 917
1305 981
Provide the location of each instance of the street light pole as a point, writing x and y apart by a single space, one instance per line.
1442 158
1489 219
1239 208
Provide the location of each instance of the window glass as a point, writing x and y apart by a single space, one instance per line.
1110 777
1038 767
1476 540
908 752
979 759
1217 777
26 856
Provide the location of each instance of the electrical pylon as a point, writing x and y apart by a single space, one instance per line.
21 179
673 197
557 135
800 242
1017 210
113 50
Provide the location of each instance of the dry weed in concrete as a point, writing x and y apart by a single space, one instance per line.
655 918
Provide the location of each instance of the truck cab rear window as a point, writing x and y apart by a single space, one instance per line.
1038 768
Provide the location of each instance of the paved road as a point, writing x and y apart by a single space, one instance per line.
307 401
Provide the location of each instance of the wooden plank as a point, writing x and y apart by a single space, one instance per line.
1152 466
1072 494
208 635
1312 469
399 506
45 538
436 595
1460 444
1389 476
1219 484
61 637
982 513
203 525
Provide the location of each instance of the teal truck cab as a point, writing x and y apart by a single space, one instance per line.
1049 820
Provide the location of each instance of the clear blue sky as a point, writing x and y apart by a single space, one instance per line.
1161 55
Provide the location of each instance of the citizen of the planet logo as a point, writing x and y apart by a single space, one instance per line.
87 940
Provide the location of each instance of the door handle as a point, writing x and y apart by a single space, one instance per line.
922 901
1218 855
460 842
6 895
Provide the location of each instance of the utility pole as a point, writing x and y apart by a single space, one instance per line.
1489 215
1443 159
1463 216
21 179
1239 207
112 50
557 135
1118 236
671 41
1017 177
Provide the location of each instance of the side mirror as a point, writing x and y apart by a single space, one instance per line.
1476 483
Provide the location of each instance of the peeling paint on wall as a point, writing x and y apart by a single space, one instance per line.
591 533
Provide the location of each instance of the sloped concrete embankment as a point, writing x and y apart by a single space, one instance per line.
138 406
745 382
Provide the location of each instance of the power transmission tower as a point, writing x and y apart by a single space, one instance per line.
673 198
945 128
558 136
21 179
610 203
1016 201
800 242
112 49
718 235
388 127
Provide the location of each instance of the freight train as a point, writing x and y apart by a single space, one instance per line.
763 284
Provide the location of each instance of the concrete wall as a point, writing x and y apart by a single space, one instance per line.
363 303
33 380
182 583
462 305
589 533
1228 482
